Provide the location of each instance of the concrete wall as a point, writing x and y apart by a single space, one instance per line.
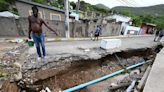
22 26
24 10
19 27
8 27
80 30
56 25
111 29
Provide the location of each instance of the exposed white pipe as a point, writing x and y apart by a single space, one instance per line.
130 88
102 78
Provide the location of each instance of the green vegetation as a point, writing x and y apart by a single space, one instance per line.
58 4
100 8
159 21
5 4
73 5
156 10
55 3
138 20
40 1
96 8
152 14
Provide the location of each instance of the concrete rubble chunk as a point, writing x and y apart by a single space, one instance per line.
110 43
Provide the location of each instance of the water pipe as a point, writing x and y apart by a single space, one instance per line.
130 88
102 78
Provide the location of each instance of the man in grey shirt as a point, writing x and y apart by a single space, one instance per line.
161 34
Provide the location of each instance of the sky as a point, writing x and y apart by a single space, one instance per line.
131 3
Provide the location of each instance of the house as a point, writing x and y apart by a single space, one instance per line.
45 11
147 28
131 30
119 18
124 21
92 15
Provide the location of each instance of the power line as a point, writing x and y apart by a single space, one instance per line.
133 3
122 2
128 3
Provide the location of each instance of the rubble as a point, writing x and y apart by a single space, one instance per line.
68 69
10 68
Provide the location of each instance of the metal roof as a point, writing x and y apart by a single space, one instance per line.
8 14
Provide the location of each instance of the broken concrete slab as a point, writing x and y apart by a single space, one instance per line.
155 79
110 43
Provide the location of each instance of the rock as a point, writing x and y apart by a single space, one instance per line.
137 71
3 74
113 84
8 86
18 76
87 50
17 65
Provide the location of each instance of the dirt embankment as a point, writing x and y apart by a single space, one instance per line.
74 72
79 72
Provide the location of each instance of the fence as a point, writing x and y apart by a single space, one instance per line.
19 27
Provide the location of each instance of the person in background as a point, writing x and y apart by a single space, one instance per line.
35 26
91 35
97 32
157 34
161 34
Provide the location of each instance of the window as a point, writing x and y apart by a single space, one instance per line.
40 13
55 16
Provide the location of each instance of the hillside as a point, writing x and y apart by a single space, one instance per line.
157 10
102 6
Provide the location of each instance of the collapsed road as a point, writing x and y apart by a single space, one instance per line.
69 69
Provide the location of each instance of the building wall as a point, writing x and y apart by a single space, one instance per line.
147 29
111 29
22 27
25 9
19 27
8 27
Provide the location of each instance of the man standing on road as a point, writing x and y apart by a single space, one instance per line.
161 34
97 32
157 34
35 26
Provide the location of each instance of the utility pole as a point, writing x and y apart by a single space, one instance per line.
77 13
66 19
77 7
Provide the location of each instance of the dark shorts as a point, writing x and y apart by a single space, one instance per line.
160 35
96 35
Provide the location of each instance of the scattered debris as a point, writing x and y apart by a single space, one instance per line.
67 71
143 80
130 88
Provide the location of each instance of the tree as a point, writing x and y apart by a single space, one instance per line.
147 18
58 4
3 5
40 1
136 21
73 5
159 21
6 5
126 13
83 6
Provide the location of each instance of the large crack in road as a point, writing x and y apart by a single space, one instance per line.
71 70
75 72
